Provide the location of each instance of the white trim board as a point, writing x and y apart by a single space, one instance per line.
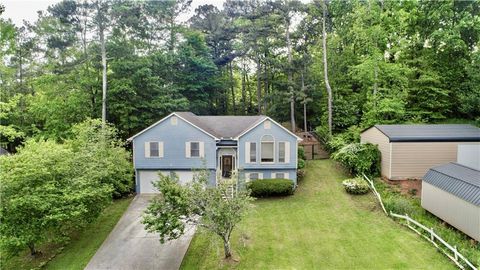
263 120
165 118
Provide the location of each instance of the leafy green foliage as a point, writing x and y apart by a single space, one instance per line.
355 186
44 197
195 204
359 158
49 189
301 164
301 153
271 187
102 156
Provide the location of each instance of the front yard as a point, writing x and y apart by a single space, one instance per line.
83 245
319 227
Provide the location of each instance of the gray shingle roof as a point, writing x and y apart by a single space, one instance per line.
431 133
459 180
222 126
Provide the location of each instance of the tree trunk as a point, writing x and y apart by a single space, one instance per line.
304 102
259 86
290 80
232 89
250 94
101 30
33 251
265 91
227 249
244 94
325 67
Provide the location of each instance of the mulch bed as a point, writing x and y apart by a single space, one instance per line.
412 187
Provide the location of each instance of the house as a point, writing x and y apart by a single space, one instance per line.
250 147
409 151
452 193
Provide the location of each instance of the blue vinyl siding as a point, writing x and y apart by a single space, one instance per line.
279 135
174 138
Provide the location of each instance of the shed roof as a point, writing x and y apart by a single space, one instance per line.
430 133
457 179
3 151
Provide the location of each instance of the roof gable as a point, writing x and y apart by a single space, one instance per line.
430 133
457 179
273 121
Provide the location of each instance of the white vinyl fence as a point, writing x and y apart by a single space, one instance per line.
431 236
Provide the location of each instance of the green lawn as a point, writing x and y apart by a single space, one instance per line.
82 246
319 227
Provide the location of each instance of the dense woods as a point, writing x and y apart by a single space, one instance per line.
385 61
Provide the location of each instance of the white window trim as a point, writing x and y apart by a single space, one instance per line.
188 149
247 176
274 149
160 149
287 152
285 175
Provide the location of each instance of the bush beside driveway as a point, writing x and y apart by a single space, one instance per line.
321 226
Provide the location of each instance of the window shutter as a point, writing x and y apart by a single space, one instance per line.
286 175
287 152
160 149
187 149
202 149
247 177
260 175
247 152
147 149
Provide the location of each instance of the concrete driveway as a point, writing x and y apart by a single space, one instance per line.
129 246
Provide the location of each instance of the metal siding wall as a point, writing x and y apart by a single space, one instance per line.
469 155
414 159
174 138
255 135
374 136
457 212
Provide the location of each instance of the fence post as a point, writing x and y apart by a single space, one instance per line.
455 252
431 234
408 219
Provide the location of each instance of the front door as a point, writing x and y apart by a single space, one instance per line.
227 165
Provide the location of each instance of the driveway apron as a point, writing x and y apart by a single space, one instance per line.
130 247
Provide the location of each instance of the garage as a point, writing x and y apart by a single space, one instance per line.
146 177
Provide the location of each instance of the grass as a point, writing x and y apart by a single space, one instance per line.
320 226
406 204
83 245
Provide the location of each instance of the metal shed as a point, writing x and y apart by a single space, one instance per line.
408 151
452 193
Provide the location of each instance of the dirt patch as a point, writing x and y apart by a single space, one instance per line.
412 187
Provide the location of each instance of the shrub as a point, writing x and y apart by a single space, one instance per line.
300 174
355 186
400 205
301 153
271 187
359 158
301 163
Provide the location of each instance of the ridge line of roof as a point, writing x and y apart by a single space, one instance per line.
455 177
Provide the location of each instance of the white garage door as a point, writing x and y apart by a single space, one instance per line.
147 177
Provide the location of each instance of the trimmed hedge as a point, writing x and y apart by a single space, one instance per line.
271 187
355 186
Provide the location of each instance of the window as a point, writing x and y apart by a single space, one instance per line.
154 150
194 149
253 152
253 176
280 175
281 152
267 149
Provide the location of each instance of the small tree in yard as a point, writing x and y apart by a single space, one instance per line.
195 204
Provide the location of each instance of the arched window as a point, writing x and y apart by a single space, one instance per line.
267 149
